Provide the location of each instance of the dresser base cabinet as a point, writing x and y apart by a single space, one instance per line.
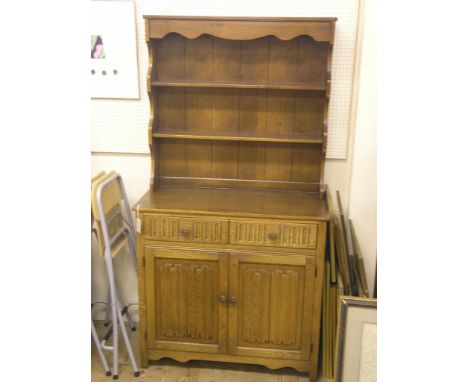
252 304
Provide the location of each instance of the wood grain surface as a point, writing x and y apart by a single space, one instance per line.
231 252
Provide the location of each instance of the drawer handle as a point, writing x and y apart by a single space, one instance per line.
273 236
184 232
232 300
223 299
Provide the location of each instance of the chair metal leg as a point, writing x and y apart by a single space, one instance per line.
115 338
131 356
131 323
105 365
115 323
108 308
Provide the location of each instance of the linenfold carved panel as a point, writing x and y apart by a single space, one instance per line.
274 234
161 227
271 311
186 293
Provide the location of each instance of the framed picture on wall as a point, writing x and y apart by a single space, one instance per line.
356 353
113 62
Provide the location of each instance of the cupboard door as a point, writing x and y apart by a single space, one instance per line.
186 300
270 305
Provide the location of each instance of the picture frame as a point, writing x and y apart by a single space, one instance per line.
114 60
356 346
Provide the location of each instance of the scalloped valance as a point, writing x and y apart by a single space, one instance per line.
319 29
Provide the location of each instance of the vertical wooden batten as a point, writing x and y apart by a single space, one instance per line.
152 110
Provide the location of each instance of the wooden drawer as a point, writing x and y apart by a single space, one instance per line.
174 228
275 234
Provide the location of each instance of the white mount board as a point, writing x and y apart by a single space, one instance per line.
121 125
113 61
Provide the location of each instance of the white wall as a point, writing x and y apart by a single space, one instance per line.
363 180
354 177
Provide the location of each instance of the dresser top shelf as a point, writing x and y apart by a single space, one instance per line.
242 85
235 203
240 18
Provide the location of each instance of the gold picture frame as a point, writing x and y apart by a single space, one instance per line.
356 346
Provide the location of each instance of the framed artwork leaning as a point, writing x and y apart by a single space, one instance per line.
356 347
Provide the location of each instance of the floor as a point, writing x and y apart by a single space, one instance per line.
194 371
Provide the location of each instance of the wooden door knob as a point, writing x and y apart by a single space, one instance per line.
232 300
222 299
184 232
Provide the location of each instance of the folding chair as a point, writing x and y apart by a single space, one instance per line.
115 222
107 196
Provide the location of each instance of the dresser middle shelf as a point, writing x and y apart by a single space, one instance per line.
311 86
235 136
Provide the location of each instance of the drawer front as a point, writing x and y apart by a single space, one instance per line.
174 228
275 234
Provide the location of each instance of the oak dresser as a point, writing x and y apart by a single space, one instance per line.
233 228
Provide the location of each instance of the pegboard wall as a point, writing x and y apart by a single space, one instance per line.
120 126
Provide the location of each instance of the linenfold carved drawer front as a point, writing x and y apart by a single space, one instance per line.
274 234
199 230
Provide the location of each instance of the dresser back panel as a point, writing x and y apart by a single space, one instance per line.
244 112
238 164
267 59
